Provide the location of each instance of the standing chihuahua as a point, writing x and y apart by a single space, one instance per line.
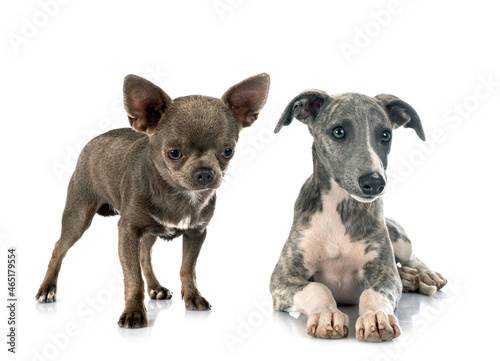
161 180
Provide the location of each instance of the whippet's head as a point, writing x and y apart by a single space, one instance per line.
352 136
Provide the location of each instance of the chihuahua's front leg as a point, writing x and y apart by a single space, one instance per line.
134 315
191 245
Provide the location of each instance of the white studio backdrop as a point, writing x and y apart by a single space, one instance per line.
63 64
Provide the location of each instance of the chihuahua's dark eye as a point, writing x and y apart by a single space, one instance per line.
175 154
338 133
386 136
228 153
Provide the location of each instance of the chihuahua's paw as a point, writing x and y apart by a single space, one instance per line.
328 324
46 293
133 317
159 293
195 302
377 326
409 278
430 282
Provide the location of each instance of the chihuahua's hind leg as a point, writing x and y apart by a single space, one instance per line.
155 289
76 219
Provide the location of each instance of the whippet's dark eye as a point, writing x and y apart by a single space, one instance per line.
338 133
175 154
228 153
386 136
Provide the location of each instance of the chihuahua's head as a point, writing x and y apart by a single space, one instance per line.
352 136
192 138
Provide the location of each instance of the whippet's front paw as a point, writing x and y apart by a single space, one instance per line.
377 326
328 324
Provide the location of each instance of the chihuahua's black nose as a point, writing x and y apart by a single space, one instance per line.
372 184
203 176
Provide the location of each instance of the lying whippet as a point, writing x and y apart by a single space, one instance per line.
339 249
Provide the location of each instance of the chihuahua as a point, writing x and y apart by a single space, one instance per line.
161 179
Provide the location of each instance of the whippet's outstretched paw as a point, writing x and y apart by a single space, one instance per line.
433 279
409 278
430 282
376 327
328 324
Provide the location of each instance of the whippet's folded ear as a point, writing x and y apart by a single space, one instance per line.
304 107
401 113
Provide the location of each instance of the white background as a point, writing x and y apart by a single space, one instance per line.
62 67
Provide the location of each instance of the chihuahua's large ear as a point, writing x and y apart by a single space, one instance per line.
401 113
305 107
247 98
144 103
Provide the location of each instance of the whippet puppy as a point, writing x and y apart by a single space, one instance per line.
341 249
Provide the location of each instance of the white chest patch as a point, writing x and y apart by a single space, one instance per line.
330 255
195 198
199 198
183 224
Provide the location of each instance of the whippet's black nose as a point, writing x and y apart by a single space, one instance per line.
372 184
203 176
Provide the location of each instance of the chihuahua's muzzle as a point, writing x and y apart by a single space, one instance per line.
204 177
